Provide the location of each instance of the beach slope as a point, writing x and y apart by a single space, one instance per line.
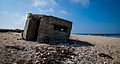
81 49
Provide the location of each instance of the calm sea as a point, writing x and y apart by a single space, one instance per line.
106 35
113 36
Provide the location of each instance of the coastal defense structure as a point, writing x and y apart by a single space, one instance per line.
43 28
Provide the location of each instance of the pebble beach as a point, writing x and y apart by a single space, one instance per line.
81 49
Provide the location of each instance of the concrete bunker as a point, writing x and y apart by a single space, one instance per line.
43 28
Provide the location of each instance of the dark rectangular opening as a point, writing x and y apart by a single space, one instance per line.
60 28
36 30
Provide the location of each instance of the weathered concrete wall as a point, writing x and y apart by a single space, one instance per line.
30 27
48 29
44 29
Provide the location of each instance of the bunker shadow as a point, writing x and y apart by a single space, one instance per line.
71 43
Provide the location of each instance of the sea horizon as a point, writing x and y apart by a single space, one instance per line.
100 34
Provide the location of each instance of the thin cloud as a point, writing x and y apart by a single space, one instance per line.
46 10
21 20
5 12
37 3
16 14
84 3
63 12
12 14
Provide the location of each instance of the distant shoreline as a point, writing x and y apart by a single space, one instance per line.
106 35
11 30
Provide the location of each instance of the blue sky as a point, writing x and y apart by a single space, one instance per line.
88 16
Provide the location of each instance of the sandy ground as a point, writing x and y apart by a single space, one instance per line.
81 49
107 45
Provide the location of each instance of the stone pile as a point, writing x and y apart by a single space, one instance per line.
53 55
